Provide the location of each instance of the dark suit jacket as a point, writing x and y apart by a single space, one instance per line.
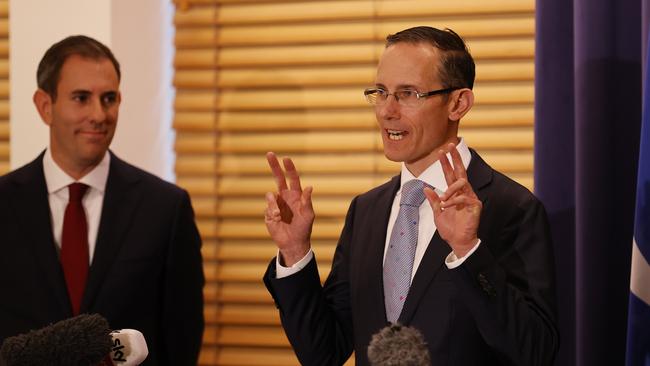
146 272
497 308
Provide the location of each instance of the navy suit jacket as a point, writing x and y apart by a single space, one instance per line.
497 308
146 273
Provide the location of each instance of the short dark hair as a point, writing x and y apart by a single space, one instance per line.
457 69
49 69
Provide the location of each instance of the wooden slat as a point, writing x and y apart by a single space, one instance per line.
417 8
4 150
253 207
291 12
324 185
256 356
508 49
255 164
288 142
4 109
4 8
255 229
516 70
4 130
338 11
356 31
354 53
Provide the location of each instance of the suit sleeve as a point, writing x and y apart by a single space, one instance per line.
317 319
183 299
508 284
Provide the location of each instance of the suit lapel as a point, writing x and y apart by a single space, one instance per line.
120 201
479 175
31 205
372 254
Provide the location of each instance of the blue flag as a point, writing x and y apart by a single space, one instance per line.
638 331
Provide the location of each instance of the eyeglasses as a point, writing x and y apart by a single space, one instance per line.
405 97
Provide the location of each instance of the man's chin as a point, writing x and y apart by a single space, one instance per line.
94 156
393 156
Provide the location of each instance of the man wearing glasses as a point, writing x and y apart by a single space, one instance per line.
450 246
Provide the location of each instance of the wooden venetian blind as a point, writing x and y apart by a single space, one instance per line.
287 76
4 86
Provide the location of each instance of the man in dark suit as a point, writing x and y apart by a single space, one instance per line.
127 247
470 266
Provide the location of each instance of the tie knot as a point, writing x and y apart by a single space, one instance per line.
412 193
76 191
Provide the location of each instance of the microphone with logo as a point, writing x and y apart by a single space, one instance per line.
397 345
82 340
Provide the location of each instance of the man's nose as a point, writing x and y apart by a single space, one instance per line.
98 112
390 109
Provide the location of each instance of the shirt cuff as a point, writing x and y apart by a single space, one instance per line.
282 271
452 261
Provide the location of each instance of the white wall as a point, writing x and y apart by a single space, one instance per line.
139 33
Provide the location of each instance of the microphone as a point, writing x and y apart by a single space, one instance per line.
129 348
397 345
84 340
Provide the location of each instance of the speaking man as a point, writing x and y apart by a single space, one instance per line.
449 246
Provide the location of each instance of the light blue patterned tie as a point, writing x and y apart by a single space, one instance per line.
398 264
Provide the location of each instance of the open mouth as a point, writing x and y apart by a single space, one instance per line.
396 135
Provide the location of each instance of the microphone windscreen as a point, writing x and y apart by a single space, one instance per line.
129 347
82 340
397 345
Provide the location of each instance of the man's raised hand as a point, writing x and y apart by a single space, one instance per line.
289 214
456 212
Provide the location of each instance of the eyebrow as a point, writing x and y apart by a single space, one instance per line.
80 91
84 91
400 86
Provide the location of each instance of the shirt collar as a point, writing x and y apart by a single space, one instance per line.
433 175
56 179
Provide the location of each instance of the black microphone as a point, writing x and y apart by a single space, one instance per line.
397 345
82 340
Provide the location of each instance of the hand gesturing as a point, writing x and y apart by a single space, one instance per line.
289 213
457 212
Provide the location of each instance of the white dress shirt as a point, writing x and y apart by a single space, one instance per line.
57 188
433 176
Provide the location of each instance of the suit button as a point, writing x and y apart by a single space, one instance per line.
486 286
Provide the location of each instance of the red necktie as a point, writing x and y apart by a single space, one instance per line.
74 245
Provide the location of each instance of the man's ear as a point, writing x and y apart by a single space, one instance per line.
43 103
461 102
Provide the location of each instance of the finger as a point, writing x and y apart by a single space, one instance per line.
456 188
272 212
294 178
459 168
278 174
447 170
305 199
433 199
468 204
458 201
